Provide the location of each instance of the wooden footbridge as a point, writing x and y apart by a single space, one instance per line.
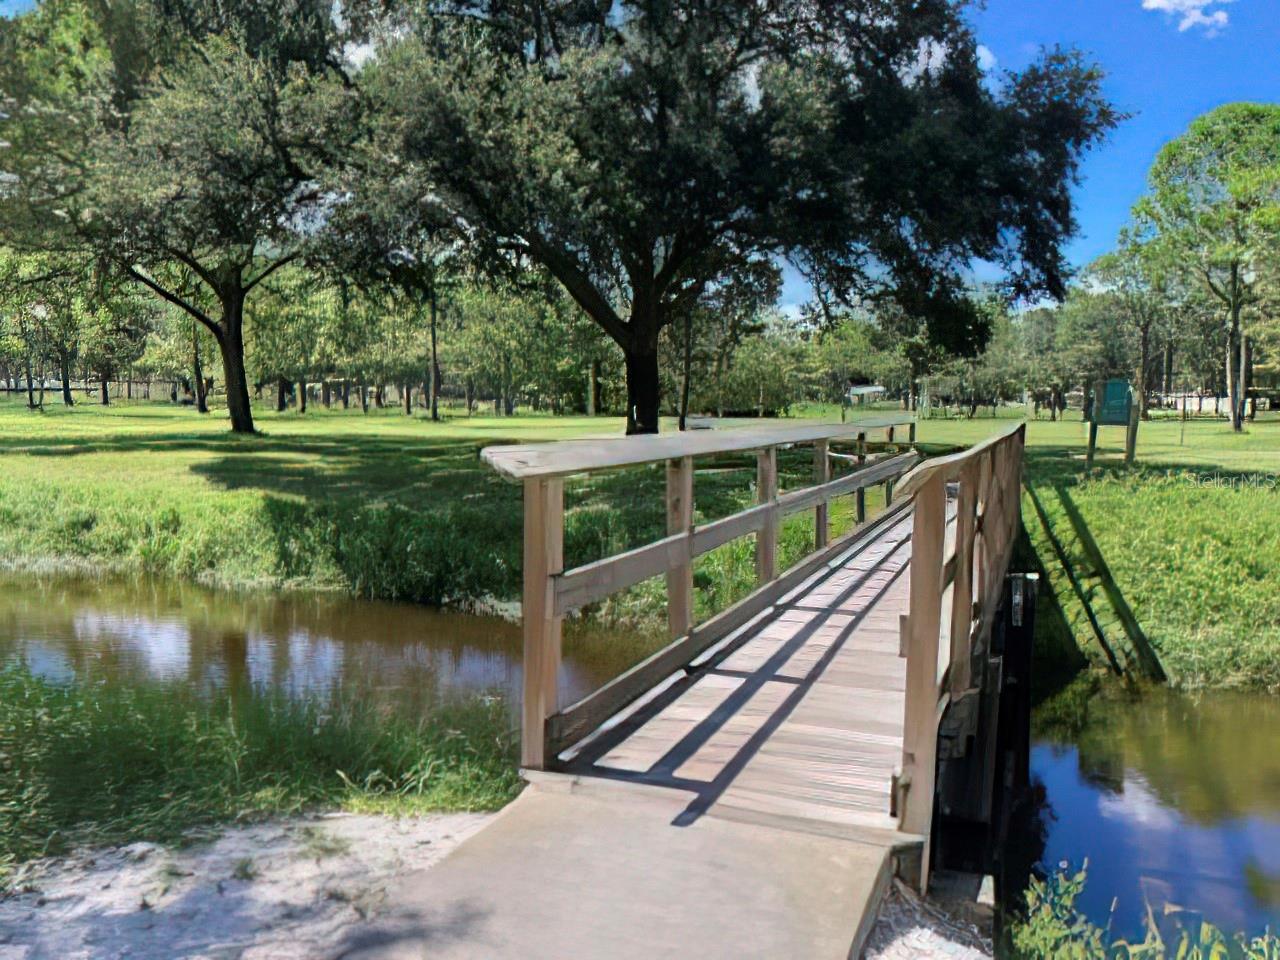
747 790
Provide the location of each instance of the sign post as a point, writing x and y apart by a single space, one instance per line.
1113 406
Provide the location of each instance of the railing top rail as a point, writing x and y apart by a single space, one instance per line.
564 457
950 465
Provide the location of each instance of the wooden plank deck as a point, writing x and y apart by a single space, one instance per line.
798 718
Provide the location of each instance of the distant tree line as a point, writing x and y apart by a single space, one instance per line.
537 201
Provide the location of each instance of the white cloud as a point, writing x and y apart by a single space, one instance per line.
1192 14
986 59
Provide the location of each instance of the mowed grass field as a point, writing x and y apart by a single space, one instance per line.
383 505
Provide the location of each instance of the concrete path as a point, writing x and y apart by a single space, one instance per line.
590 870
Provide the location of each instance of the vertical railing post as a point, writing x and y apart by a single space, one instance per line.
767 493
680 520
860 498
543 562
962 587
821 513
919 741
911 431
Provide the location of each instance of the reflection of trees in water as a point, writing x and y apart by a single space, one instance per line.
315 646
1208 756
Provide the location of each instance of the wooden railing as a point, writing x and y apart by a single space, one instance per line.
957 574
550 591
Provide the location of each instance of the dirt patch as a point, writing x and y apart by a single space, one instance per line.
908 928
283 890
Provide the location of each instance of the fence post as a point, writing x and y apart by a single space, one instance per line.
821 474
920 733
962 586
860 498
767 492
543 561
680 520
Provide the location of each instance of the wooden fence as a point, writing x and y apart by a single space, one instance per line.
550 591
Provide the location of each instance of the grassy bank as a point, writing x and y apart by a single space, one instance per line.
94 762
1176 553
378 506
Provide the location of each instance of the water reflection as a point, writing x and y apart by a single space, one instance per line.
1174 800
305 645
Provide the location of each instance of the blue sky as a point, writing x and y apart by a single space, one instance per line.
1166 64
1167 61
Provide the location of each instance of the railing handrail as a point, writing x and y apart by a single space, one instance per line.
952 464
957 570
550 591
562 458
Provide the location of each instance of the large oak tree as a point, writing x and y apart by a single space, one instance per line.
641 150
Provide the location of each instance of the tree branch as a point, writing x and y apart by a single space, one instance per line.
270 270
179 302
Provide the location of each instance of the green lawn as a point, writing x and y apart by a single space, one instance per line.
382 505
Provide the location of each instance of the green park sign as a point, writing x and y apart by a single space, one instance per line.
1113 403
1113 406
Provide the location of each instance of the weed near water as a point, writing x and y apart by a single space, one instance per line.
91 763
1052 928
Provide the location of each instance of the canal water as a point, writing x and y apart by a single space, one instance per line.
1174 799
404 657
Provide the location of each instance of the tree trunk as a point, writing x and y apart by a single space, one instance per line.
1144 362
325 397
197 371
231 345
469 394
406 394
686 369
31 396
364 397
643 389
593 388
435 365
1234 355
1246 363
104 390
282 395
64 371
302 396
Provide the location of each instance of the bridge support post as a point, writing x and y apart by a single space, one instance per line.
543 562
920 721
767 493
860 499
821 474
680 520
962 587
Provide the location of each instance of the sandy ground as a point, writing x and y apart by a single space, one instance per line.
908 928
284 890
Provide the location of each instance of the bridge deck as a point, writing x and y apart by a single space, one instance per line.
742 811
798 715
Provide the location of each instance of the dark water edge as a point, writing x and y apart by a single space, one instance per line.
403 656
1172 798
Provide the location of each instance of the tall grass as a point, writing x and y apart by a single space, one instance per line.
98 762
